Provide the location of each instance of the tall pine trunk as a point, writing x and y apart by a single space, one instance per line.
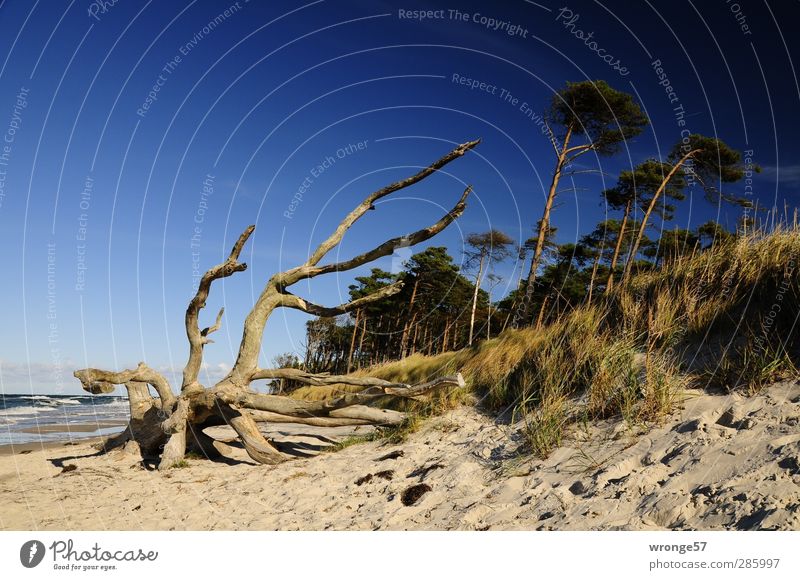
544 225
475 298
353 341
640 234
618 246
409 320
594 276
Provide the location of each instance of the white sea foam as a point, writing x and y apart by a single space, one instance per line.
120 403
67 401
24 411
50 401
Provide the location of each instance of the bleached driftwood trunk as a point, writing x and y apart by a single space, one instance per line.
171 424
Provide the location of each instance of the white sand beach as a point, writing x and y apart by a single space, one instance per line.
721 462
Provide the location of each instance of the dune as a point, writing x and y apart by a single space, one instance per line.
719 462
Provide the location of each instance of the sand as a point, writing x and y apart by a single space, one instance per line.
77 428
24 448
721 462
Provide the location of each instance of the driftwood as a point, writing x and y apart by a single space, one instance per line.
169 425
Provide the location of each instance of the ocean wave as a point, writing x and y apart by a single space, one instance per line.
24 410
120 403
50 401
46 410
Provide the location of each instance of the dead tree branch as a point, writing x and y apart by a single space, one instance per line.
97 381
336 237
292 301
197 338
385 249
273 294
173 423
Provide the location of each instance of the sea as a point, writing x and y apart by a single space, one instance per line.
35 418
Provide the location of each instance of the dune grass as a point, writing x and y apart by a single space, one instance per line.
719 319
412 369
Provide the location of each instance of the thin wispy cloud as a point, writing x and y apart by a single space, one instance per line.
782 174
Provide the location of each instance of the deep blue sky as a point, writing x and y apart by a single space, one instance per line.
276 88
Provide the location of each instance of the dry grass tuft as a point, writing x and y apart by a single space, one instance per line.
628 353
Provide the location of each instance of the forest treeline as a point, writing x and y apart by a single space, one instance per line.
444 306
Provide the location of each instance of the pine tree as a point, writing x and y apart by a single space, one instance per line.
588 117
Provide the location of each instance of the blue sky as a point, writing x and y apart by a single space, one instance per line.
104 219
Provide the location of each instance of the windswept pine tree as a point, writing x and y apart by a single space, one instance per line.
639 188
707 161
585 117
482 251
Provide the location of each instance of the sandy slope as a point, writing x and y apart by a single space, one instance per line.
723 462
